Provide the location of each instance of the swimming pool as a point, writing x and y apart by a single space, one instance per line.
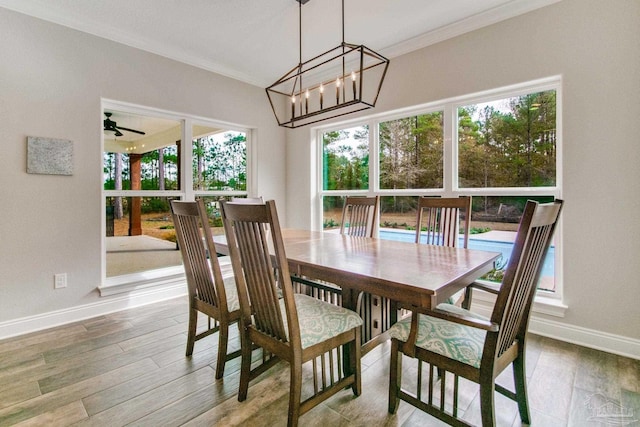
477 242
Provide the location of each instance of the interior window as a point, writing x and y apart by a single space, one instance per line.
141 175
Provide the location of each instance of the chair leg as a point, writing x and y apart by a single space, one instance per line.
191 333
395 376
295 392
223 339
245 365
356 366
487 405
466 301
520 378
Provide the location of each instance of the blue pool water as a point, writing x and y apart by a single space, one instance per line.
476 243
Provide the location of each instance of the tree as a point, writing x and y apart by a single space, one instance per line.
411 152
346 159
511 147
220 163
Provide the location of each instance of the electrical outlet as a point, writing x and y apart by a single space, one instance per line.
60 280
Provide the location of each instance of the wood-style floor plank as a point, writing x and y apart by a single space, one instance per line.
129 368
64 396
144 383
61 416
46 370
152 400
19 392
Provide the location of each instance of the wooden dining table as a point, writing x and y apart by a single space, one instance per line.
408 274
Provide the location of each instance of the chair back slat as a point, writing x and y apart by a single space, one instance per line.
204 277
250 243
440 219
513 305
360 216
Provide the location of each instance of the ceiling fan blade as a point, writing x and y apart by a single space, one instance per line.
130 130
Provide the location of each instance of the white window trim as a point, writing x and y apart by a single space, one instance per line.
168 276
545 303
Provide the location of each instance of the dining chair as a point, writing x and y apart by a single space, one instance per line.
359 219
209 292
295 328
360 216
438 222
467 345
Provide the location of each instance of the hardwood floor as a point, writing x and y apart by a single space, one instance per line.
129 368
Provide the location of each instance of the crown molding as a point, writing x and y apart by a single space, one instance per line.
472 23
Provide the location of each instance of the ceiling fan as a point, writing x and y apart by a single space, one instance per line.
110 125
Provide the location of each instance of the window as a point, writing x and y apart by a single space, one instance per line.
346 159
508 143
500 147
220 162
142 158
411 152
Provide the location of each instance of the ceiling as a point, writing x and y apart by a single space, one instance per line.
256 41
158 132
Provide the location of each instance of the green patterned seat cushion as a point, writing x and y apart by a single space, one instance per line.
233 302
455 341
320 320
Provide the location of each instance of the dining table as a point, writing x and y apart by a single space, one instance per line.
407 274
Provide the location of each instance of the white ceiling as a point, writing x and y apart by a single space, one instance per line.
256 41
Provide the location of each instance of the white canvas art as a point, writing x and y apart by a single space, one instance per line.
49 156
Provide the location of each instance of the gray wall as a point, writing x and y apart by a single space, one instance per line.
51 82
595 46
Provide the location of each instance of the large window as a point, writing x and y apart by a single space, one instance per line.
500 147
145 165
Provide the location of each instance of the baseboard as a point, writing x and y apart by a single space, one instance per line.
598 340
103 306
611 343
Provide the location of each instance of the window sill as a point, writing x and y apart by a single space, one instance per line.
153 279
541 304
142 281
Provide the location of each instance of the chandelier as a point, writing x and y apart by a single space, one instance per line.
340 81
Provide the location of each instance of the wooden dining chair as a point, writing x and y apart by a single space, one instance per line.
209 292
295 328
467 345
360 216
439 222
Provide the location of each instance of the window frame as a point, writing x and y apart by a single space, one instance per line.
451 187
135 281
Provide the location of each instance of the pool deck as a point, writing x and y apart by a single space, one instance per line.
493 235
496 236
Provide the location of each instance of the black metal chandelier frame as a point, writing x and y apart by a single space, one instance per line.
368 70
